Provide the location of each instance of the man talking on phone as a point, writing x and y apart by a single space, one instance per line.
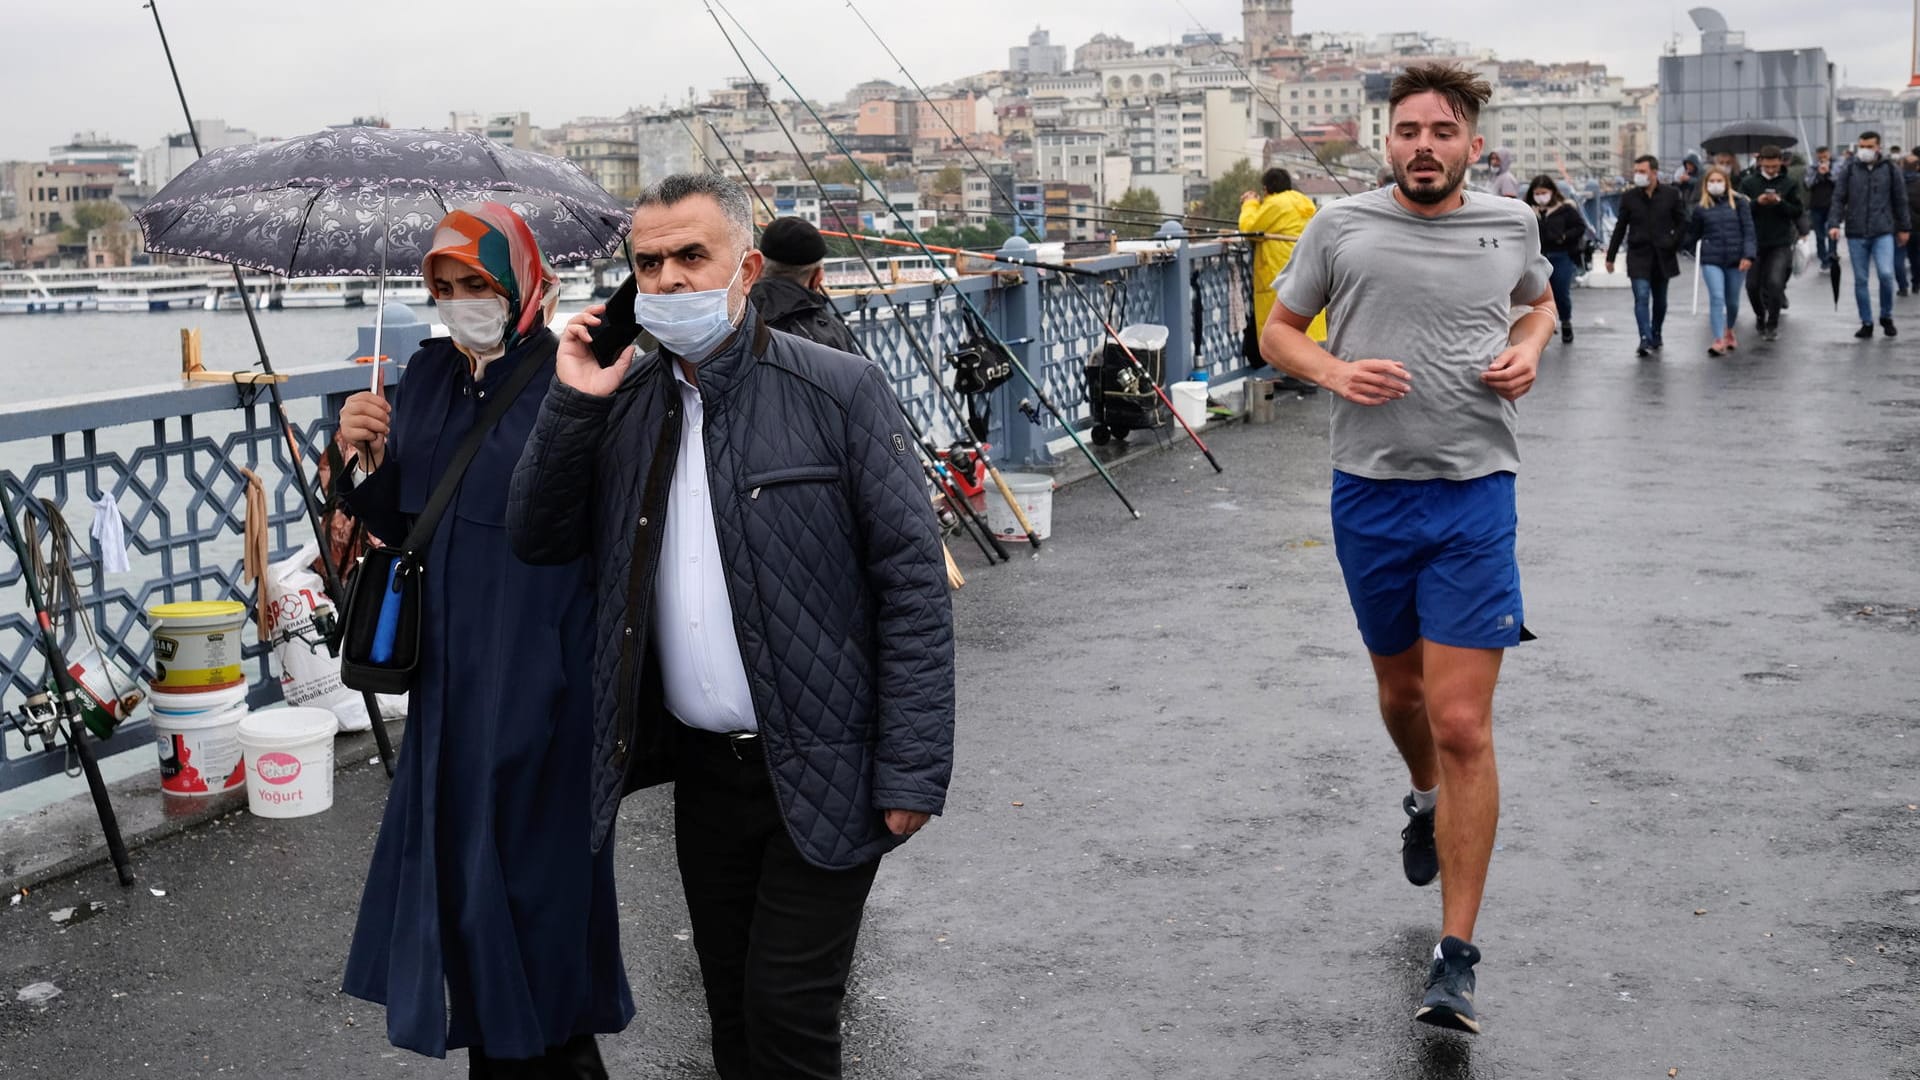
774 634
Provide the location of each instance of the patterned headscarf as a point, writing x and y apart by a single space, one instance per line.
495 243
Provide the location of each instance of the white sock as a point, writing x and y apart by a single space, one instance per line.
1424 801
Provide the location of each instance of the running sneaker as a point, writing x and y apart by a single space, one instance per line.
1417 854
1449 1000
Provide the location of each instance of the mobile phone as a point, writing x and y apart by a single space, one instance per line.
617 330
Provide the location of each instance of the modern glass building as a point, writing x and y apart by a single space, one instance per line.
1726 81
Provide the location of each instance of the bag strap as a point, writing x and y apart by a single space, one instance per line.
429 520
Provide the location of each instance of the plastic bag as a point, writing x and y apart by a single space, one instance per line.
309 675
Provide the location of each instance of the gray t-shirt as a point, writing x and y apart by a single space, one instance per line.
1436 295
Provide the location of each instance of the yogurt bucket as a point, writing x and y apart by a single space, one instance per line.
289 761
196 645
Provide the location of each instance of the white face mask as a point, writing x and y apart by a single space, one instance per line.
478 326
1716 188
690 324
1867 155
1542 198
1641 179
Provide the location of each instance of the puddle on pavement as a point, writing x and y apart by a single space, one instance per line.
74 916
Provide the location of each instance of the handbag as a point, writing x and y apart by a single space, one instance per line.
380 629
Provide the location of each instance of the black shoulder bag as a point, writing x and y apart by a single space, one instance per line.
380 635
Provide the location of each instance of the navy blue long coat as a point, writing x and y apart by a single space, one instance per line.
482 878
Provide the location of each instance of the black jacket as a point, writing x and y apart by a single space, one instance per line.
833 566
1775 224
798 310
1819 188
1870 200
1563 230
1651 223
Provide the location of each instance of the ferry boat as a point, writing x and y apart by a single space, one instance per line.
409 290
576 284
264 289
324 292
154 290
849 273
34 292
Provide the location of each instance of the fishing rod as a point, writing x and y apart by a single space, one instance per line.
928 359
980 320
712 166
1194 233
1067 273
936 470
66 697
307 496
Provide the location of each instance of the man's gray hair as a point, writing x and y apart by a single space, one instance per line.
799 275
734 204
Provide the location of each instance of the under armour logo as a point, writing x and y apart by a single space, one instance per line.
899 443
1485 242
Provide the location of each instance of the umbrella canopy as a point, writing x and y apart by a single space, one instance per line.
1747 137
320 204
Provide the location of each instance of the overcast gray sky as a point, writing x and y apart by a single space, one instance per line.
282 67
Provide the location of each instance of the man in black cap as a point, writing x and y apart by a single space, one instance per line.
789 294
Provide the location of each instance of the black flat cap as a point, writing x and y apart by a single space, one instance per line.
792 241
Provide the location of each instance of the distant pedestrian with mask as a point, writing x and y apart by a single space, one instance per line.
1501 180
1912 177
1723 228
1563 238
488 920
1870 207
1820 177
1651 224
1777 200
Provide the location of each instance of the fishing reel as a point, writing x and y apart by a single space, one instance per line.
36 720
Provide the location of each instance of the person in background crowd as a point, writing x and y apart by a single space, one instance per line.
1870 205
1501 180
791 292
1650 222
1777 200
1563 236
1819 198
1283 212
1686 182
1723 227
1912 177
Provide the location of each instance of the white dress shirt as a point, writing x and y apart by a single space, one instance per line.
705 681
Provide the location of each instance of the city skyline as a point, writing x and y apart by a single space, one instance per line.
416 68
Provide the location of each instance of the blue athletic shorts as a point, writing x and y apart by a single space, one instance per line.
1430 559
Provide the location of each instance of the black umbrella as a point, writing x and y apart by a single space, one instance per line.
1747 137
319 204
1833 271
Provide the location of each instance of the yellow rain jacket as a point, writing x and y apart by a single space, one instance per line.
1287 214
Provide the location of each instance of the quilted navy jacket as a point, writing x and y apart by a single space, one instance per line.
833 565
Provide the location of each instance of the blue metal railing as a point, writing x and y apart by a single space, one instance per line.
170 457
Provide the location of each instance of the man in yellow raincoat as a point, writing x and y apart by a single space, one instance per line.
1283 212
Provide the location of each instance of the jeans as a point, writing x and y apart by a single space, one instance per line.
1723 296
1562 280
1875 252
1767 284
1650 307
773 932
1822 243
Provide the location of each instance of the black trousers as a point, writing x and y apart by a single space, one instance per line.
774 933
579 1059
1767 284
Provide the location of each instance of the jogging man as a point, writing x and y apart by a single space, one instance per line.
1421 282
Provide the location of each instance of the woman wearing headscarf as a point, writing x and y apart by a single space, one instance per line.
487 922
1563 236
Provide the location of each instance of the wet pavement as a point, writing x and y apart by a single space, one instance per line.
1172 845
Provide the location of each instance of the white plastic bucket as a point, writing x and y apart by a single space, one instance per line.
289 760
196 645
110 694
200 752
1190 401
1034 493
194 704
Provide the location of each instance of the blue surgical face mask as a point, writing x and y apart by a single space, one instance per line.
689 324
